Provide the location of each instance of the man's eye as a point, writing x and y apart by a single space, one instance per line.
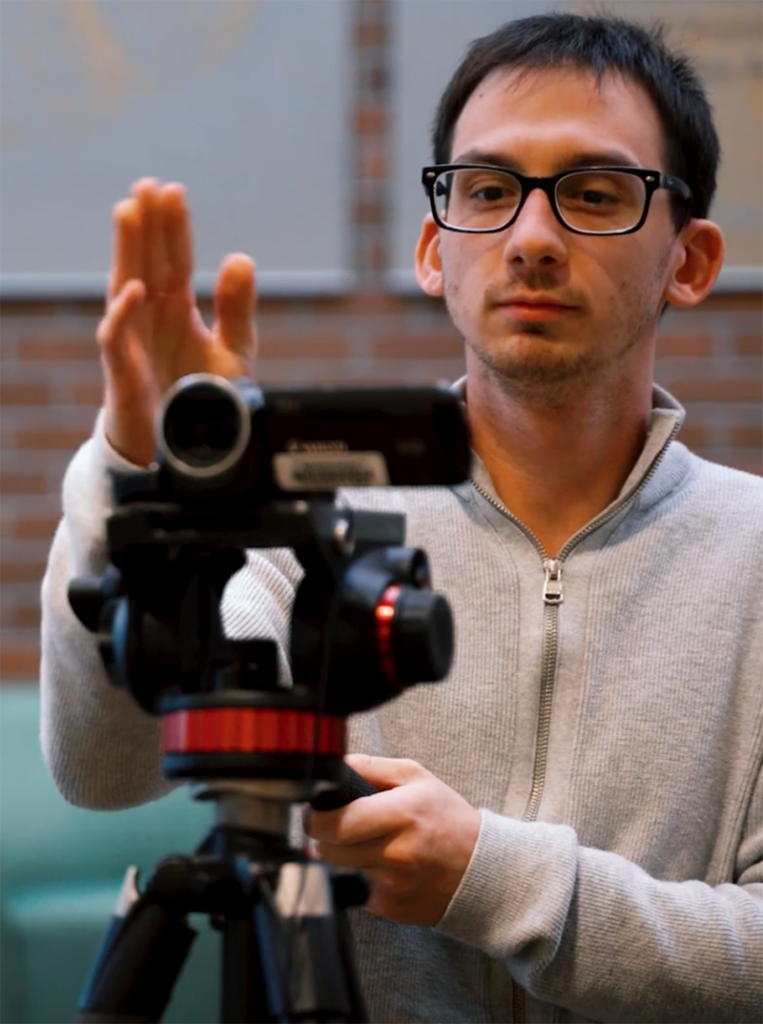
492 192
489 193
592 197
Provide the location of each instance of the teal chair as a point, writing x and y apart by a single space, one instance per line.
61 869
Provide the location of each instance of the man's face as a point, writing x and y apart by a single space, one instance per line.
542 309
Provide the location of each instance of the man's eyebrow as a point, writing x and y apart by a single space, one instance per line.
482 156
600 158
593 158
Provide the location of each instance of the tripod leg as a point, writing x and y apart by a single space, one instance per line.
321 976
141 956
254 969
290 959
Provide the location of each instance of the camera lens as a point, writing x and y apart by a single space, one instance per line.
204 426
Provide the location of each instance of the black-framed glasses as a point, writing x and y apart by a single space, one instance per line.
478 198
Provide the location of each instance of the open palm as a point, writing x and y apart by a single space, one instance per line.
152 332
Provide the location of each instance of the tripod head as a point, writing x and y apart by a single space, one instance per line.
240 468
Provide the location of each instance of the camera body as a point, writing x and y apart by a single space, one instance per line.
235 440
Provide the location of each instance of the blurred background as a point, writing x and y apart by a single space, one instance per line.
299 128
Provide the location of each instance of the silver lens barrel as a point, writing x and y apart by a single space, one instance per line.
203 426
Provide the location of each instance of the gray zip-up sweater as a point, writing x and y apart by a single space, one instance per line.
614 742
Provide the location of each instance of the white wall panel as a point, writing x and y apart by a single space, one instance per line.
244 101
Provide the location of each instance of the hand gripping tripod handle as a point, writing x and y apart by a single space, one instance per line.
351 787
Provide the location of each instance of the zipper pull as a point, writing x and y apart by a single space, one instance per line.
552 584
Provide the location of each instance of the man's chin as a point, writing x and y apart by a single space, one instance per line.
548 372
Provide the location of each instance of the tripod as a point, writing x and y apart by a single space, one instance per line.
363 611
285 944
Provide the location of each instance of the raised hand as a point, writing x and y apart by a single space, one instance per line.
152 332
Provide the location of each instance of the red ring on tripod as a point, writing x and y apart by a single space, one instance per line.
253 730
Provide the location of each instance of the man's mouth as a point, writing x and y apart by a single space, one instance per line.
522 307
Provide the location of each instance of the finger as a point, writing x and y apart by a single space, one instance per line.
178 238
361 856
364 820
386 772
127 246
235 295
112 330
155 266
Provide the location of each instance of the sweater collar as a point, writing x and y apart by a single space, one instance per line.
665 422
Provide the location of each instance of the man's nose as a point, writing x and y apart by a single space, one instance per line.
536 237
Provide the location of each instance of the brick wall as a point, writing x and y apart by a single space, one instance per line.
711 358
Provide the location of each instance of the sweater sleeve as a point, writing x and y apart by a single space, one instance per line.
102 750
592 932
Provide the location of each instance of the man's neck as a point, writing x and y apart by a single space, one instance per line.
557 467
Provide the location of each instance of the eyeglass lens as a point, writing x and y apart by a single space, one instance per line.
595 201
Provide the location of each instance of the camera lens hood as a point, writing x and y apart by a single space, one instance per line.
204 426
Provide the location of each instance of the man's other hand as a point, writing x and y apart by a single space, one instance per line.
414 839
152 332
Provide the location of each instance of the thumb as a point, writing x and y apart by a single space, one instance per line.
235 294
129 393
386 772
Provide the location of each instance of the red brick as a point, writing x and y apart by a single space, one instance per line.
28 527
419 346
23 483
748 344
733 302
277 307
370 120
737 389
694 435
410 371
31 571
27 617
370 301
370 33
17 663
375 79
85 393
685 345
308 346
42 439
368 211
378 258
24 393
746 437
52 349
374 167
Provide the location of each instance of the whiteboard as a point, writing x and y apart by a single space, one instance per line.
244 101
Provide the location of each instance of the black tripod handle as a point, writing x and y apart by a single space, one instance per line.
351 786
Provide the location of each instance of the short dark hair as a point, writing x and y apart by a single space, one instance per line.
601 44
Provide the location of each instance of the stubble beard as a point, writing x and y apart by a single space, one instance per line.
548 374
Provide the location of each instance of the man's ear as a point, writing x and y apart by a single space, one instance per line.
427 264
701 250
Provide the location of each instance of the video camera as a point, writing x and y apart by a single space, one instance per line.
220 439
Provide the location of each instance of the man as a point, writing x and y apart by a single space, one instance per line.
580 835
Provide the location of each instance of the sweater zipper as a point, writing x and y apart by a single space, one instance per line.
553 596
